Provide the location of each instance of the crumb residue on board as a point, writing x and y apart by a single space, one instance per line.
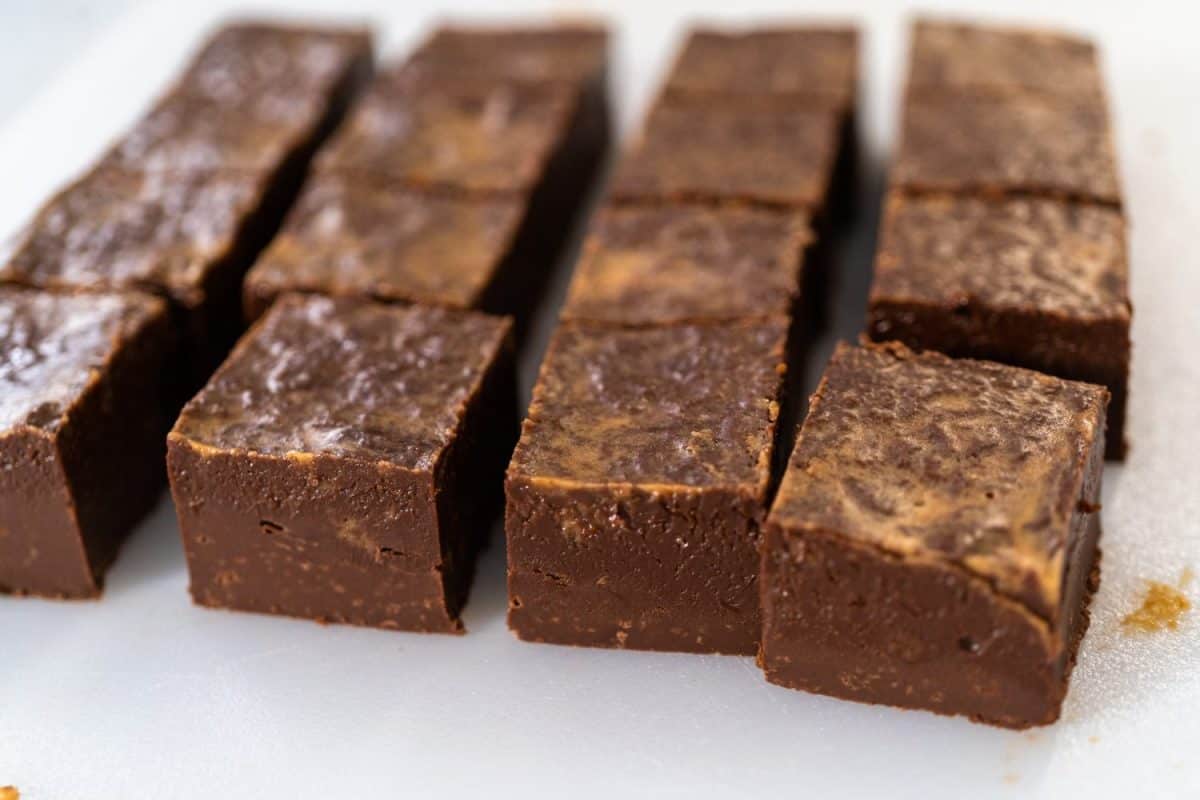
1162 607
9 793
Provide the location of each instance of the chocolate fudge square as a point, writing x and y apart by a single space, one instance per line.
355 236
345 463
666 265
934 541
1036 283
986 58
965 142
636 491
260 101
487 139
773 154
81 433
806 64
189 237
568 53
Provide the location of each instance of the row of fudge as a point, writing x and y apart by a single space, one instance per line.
346 462
652 444
122 293
934 543
1004 236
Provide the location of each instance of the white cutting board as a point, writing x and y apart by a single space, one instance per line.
142 695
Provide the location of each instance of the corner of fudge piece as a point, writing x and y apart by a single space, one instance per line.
81 427
933 544
345 463
1033 282
635 494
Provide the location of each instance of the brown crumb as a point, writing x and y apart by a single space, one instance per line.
1093 739
9 793
1011 778
1161 608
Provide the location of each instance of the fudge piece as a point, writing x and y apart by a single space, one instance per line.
256 99
359 237
636 491
188 236
488 138
773 155
969 143
345 462
934 541
954 55
675 264
81 433
1036 283
809 65
559 53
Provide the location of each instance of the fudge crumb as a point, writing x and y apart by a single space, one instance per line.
9 793
1161 608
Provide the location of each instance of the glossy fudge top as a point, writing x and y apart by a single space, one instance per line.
54 346
968 462
771 154
252 59
819 64
118 229
567 53
349 379
963 142
471 138
658 265
678 408
961 56
352 235
1017 253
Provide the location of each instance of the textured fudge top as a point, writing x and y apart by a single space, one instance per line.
350 379
187 132
969 462
118 229
658 265
53 347
474 138
818 64
961 142
776 155
254 59
568 53
1018 253
349 235
679 407
955 55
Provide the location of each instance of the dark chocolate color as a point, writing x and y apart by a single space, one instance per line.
968 143
637 488
344 463
667 265
773 154
1042 284
81 433
933 541
572 54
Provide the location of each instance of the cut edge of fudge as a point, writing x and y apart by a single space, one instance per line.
448 500
1041 641
91 460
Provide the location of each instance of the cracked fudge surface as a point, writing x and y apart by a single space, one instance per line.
810 64
1037 283
81 427
345 461
355 236
953 55
635 493
957 501
666 265
774 154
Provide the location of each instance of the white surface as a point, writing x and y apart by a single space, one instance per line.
144 696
